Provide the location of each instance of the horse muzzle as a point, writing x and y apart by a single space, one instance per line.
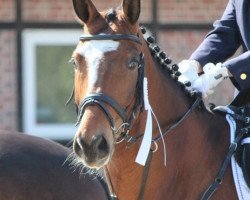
95 153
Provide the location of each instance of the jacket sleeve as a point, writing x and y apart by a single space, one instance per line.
239 67
221 43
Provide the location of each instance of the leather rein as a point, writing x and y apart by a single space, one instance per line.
101 100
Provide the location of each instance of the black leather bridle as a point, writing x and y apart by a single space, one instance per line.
111 37
101 100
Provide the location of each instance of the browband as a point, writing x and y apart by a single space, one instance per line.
111 37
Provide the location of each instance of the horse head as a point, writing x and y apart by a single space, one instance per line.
108 73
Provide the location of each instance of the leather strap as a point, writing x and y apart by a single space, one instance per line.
111 37
112 195
97 99
218 180
145 175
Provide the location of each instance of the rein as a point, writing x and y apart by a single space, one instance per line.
131 139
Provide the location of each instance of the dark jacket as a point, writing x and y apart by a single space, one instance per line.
231 31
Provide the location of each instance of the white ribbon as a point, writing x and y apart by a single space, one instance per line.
143 152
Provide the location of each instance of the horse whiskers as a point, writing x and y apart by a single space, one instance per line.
73 162
96 174
69 144
76 165
70 158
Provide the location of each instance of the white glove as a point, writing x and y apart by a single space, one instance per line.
189 72
213 75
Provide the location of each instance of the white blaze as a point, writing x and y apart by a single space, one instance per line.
93 52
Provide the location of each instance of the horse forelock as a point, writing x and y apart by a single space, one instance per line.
112 21
119 23
110 15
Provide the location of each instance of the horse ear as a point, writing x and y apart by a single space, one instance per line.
85 10
131 9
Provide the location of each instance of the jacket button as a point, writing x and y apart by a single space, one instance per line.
243 76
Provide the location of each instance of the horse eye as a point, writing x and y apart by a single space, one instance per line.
133 64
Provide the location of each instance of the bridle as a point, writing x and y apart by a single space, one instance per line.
101 100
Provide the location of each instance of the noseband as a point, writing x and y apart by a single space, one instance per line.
101 100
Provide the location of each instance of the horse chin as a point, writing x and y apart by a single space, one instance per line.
95 164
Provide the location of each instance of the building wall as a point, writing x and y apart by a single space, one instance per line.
190 11
179 26
8 65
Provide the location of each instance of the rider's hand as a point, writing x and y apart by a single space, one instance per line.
213 75
189 72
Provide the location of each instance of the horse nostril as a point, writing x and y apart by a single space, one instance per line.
78 148
97 148
101 145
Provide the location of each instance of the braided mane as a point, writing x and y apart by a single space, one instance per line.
166 63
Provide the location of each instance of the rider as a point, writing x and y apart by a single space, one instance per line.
229 33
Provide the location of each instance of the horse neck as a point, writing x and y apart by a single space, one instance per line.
201 140
167 99
200 134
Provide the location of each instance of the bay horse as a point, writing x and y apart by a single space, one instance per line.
110 61
32 168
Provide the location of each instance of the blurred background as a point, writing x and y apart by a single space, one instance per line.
37 38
